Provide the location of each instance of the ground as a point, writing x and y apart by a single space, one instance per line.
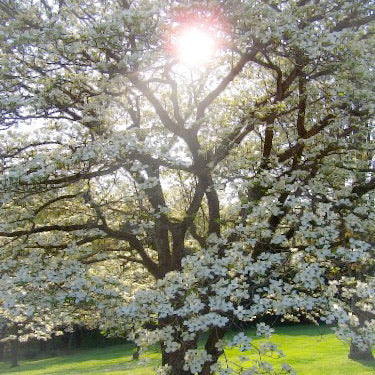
310 350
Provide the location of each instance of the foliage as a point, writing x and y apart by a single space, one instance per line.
168 201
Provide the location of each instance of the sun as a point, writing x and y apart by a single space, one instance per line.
194 46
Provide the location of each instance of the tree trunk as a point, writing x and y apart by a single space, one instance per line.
210 347
136 353
357 354
78 336
42 346
70 341
14 353
175 361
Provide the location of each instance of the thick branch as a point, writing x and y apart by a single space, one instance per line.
301 107
161 112
223 84
50 228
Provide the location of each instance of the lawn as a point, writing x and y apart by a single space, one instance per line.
310 350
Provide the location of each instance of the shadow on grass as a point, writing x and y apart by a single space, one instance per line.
118 357
369 364
72 368
289 330
304 330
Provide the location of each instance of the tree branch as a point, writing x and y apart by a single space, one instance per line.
203 105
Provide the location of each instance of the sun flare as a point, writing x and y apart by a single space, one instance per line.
194 46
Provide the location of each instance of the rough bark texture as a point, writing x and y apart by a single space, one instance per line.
355 352
211 349
176 361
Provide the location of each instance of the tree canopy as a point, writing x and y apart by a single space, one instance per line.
170 200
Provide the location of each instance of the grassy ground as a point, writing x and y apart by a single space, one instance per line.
310 350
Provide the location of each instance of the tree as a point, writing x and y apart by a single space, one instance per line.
194 195
28 312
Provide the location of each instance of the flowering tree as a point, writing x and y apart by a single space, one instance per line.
172 198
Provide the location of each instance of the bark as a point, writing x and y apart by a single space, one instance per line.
210 347
176 362
357 354
1 351
136 353
176 359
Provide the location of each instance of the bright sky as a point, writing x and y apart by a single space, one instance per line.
194 46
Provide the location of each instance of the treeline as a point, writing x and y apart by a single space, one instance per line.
77 338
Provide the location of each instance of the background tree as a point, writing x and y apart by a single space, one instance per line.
119 162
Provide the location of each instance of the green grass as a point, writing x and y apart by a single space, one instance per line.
310 350
113 360
313 350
